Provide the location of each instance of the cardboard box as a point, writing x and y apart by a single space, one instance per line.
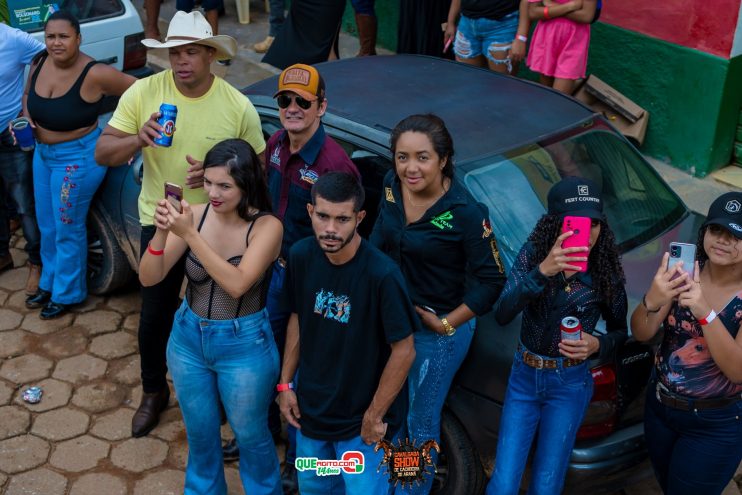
629 118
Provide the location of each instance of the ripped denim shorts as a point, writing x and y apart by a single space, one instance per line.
475 37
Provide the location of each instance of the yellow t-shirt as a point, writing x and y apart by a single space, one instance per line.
222 113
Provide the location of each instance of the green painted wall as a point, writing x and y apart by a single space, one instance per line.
693 98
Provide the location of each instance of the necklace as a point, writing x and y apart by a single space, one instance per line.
424 203
567 284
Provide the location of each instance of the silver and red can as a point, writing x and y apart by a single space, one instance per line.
168 114
571 328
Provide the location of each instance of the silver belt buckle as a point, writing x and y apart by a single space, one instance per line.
540 361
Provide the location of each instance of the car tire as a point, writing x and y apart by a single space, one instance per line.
108 268
459 467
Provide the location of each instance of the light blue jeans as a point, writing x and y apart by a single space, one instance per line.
475 37
437 360
552 402
237 361
65 179
368 482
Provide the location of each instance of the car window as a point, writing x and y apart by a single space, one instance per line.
372 167
638 205
30 15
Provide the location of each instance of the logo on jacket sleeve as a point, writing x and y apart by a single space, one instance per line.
389 194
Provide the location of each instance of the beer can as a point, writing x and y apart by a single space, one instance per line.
571 328
168 113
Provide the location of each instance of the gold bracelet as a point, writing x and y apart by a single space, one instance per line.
450 330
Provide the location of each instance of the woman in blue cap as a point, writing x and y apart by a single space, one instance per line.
550 383
694 398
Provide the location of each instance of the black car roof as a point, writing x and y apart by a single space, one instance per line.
485 112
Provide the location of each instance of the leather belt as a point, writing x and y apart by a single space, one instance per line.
667 398
538 362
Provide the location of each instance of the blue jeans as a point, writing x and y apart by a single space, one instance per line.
692 452
475 37
279 321
235 360
552 402
65 180
369 482
437 360
16 172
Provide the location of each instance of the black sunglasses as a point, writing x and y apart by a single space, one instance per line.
284 101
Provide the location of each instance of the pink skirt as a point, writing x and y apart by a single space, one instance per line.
559 48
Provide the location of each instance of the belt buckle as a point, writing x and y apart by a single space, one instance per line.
540 361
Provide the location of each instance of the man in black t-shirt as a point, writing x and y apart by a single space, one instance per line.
350 335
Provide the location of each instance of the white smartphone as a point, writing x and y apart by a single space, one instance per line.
680 251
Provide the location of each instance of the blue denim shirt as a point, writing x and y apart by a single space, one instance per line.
545 301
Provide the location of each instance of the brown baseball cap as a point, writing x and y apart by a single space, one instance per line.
303 80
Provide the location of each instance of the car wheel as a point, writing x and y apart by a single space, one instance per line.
108 268
459 470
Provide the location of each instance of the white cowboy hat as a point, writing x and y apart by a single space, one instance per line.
187 28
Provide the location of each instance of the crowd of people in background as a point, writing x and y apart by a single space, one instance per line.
274 318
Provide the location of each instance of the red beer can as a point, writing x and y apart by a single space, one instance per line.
571 328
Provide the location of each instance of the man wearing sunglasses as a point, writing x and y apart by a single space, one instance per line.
295 157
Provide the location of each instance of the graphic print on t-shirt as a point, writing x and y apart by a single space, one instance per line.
332 307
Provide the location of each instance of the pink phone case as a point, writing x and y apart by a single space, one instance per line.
580 238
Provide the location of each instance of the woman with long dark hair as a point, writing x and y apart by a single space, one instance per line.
63 98
439 235
694 398
221 345
550 383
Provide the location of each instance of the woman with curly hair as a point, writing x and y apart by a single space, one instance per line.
694 398
550 382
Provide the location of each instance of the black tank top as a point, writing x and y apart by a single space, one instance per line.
69 112
208 300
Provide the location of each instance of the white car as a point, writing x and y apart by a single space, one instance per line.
111 29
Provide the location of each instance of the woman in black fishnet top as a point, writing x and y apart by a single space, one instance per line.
221 345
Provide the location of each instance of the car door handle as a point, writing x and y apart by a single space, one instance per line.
109 60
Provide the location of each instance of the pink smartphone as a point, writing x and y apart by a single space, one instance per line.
174 193
680 251
580 226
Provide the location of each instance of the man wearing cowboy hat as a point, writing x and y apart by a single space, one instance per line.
209 111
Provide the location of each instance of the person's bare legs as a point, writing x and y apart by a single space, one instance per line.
566 86
213 17
499 51
546 80
477 61
151 27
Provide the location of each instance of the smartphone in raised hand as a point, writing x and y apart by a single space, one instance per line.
580 227
680 251
174 193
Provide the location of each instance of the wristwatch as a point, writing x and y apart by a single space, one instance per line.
450 329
